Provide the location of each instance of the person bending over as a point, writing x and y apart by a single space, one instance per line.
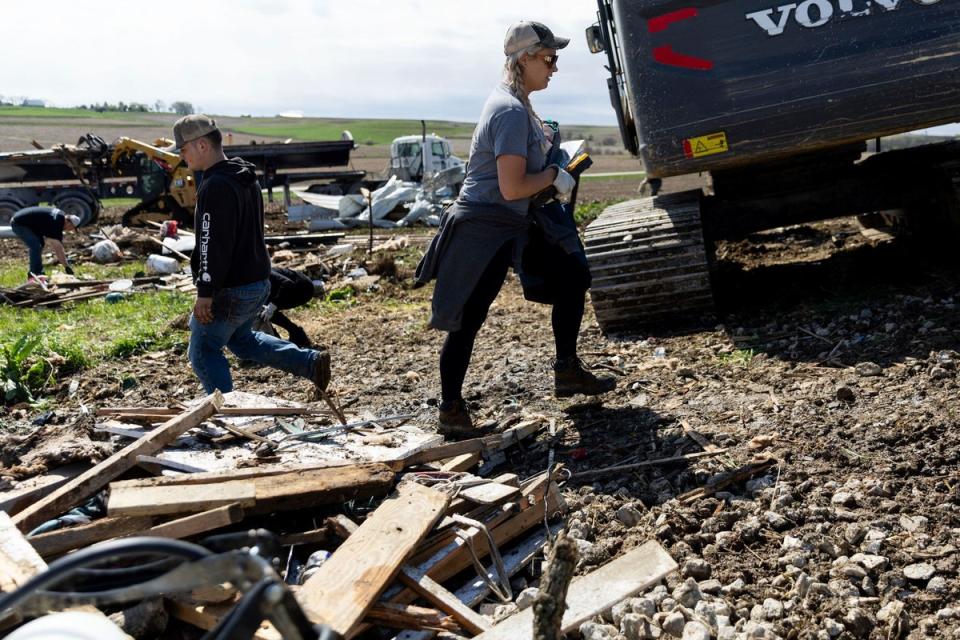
289 289
37 226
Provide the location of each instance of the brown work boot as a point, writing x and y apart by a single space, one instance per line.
570 378
321 370
455 420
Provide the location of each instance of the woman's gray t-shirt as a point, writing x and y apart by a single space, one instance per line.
505 128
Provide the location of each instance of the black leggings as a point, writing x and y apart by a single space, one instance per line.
455 355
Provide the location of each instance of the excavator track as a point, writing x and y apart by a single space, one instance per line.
649 263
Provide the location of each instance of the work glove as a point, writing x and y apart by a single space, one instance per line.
564 184
267 312
68 269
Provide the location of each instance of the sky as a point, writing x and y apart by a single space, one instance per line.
350 58
418 59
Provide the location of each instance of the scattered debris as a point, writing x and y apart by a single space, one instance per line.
437 524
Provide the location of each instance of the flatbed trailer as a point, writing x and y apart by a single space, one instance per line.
77 177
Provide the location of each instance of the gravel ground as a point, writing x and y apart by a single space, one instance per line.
833 357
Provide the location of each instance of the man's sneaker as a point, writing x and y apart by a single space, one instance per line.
321 370
570 378
455 420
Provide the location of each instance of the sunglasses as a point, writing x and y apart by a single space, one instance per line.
550 60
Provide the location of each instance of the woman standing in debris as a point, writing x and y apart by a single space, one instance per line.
484 232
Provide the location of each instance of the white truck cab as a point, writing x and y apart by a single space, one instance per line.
413 157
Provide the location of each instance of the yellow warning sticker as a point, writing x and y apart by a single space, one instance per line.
706 145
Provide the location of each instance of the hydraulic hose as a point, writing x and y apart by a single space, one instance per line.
104 552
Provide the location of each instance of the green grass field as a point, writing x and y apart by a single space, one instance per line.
363 131
38 345
636 176
53 112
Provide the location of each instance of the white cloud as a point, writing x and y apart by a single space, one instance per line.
364 58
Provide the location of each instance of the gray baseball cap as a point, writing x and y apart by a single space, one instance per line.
525 34
191 127
74 220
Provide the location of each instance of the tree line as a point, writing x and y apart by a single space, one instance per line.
180 107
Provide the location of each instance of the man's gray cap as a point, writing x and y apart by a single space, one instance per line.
525 34
74 220
191 127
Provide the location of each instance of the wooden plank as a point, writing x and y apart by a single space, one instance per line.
79 284
346 585
532 491
433 592
157 501
199 522
228 475
208 616
400 616
509 479
85 485
514 560
463 462
455 557
331 485
497 442
32 489
60 541
423 585
284 490
19 561
314 536
597 591
489 493
444 451
166 412
342 526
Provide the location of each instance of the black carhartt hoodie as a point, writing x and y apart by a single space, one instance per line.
229 225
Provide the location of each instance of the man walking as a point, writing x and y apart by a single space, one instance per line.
37 225
231 266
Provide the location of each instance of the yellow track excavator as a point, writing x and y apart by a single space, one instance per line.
168 188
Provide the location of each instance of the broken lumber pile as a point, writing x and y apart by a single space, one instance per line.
34 295
412 543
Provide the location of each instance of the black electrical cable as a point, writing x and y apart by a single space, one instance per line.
94 579
106 551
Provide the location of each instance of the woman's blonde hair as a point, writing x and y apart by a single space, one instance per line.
513 78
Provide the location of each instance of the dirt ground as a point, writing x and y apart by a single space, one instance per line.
834 356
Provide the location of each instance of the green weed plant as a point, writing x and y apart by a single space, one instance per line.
39 345
738 357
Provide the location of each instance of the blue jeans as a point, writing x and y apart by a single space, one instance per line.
234 311
34 243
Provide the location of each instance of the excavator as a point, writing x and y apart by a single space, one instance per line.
167 185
